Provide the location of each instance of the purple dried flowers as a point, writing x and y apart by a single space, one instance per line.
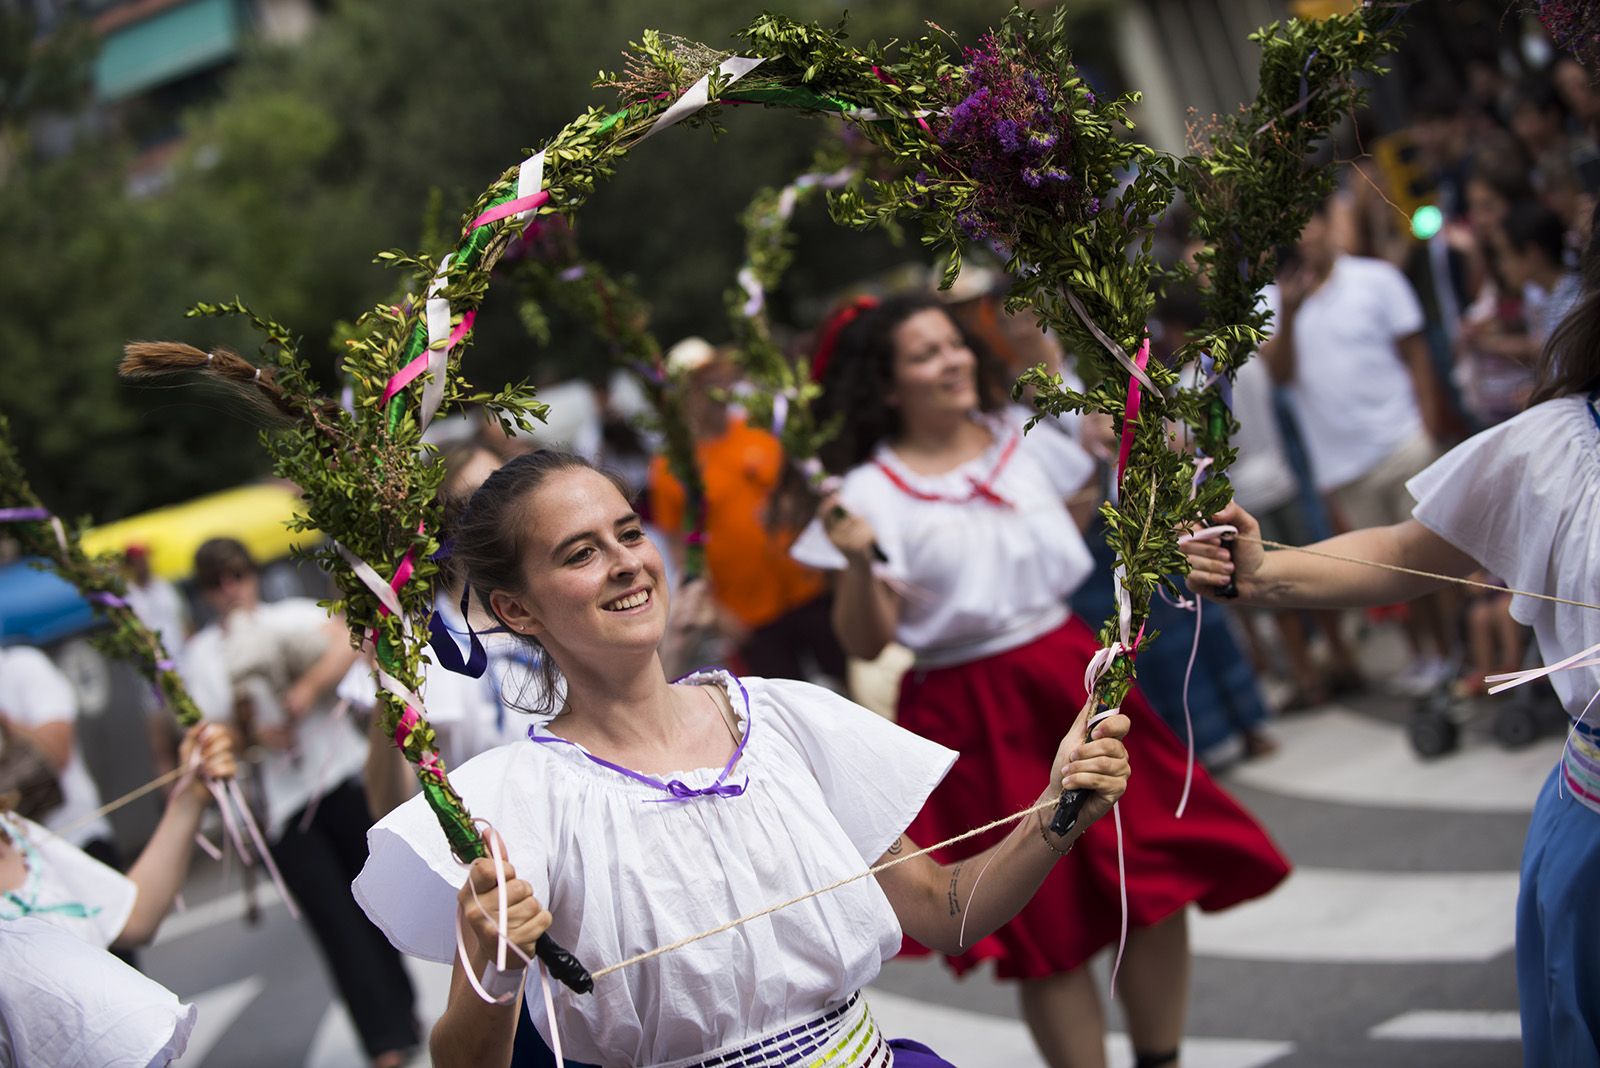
1008 135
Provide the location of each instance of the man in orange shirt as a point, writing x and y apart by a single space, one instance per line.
774 610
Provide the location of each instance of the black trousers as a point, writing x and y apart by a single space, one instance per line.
318 865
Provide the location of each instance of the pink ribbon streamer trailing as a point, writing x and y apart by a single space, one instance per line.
1130 414
502 944
1585 658
235 812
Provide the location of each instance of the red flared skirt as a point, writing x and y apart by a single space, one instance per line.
1006 715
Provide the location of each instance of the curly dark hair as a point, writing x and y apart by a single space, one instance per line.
860 376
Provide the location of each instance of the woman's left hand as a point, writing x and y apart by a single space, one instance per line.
1098 764
215 748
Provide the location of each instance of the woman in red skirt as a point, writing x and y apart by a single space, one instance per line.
950 532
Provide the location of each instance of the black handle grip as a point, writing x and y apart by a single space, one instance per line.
1231 590
562 964
877 551
1068 806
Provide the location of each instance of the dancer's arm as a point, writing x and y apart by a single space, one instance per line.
1284 579
472 1031
159 872
866 612
942 905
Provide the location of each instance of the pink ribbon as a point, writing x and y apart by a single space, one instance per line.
887 80
408 374
1130 413
503 943
511 207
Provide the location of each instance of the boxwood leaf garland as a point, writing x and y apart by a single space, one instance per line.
39 533
1008 144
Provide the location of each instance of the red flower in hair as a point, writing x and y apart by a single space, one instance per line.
828 336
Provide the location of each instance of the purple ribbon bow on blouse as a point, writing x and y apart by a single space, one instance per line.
676 788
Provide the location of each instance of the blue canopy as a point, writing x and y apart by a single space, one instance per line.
39 607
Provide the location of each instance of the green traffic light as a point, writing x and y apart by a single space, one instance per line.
1426 221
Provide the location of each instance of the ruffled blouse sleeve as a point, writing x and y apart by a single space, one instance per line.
409 883
875 776
1512 496
866 493
1052 445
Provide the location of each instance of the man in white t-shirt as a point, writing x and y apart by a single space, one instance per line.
270 669
37 701
1347 342
154 600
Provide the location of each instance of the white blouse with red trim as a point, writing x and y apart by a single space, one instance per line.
984 555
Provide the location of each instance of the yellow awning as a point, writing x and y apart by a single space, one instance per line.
256 515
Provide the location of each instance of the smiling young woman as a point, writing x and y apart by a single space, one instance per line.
648 810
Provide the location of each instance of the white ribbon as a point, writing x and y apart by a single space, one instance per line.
438 317
698 95
402 691
530 179
755 297
374 582
1587 658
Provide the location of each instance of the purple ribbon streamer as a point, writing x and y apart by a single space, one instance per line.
442 640
23 515
107 599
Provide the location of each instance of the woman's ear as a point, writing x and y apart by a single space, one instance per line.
515 611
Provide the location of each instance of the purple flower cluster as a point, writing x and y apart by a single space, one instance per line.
1012 134
1574 25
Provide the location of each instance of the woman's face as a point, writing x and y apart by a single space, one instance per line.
593 584
935 373
1486 209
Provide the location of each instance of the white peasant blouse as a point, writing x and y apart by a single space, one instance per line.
625 866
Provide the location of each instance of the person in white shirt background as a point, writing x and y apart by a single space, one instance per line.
271 669
1346 339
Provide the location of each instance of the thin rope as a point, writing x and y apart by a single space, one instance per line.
1419 574
126 799
846 881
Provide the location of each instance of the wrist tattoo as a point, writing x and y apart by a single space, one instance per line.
898 846
954 898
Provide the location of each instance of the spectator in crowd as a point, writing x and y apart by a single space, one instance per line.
154 600
1347 343
774 611
270 669
1532 253
39 705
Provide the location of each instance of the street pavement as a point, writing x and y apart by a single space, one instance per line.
1391 944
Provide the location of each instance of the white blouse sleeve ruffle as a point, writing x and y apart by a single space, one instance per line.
409 883
1054 447
1523 499
875 775
1512 495
866 493
69 1004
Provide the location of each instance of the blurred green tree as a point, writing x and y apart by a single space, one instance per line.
317 155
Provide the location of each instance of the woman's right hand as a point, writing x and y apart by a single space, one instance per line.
1211 565
850 534
479 906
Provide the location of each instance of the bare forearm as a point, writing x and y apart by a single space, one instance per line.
1289 579
160 870
386 778
473 1032
958 904
1278 350
865 612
